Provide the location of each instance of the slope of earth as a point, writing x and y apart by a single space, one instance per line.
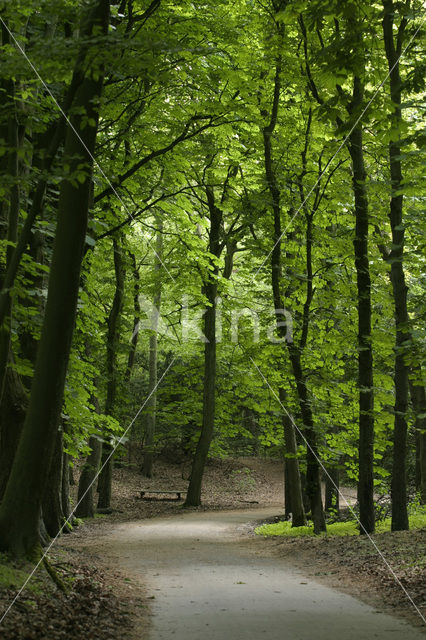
228 484
98 603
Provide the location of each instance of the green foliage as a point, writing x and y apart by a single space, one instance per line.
348 528
186 98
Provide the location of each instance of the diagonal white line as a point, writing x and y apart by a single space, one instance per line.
376 91
68 121
373 542
52 542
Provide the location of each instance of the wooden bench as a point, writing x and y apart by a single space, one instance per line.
177 492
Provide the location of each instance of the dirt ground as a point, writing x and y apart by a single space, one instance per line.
227 484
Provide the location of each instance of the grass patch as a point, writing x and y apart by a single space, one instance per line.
349 528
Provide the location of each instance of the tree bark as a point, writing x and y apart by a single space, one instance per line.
365 352
136 319
313 484
332 495
113 337
53 516
418 399
293 484
65 489
12 222
12 417
151 405
399 288
85 500
193 496
20 509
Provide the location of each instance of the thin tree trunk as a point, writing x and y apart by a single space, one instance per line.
136 319
287 493
365 352
105 477
332 495
151 405
85 500
20 508
65 489
12 223
193 496
292 473
299 517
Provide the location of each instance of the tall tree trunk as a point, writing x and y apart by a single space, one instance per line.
20 508
113 337
136 319
365 351
193 496
151 405
313 480
13 217
399 288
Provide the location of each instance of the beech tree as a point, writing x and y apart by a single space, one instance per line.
19 511
221 163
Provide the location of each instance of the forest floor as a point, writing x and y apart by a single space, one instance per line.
103 600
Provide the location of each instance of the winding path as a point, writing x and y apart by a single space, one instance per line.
207 581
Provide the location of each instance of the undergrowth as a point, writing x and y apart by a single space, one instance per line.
348 528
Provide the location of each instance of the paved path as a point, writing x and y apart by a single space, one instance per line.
211 583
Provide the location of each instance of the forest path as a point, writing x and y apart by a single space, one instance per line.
207 580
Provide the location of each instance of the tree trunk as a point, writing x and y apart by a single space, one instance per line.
313 480
313 483
418 399
136 319
151 404
332 495
20 509
53 516
12 223
399 288
193 496
85 503
113 337
65 488
293 487
12 416
365 352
